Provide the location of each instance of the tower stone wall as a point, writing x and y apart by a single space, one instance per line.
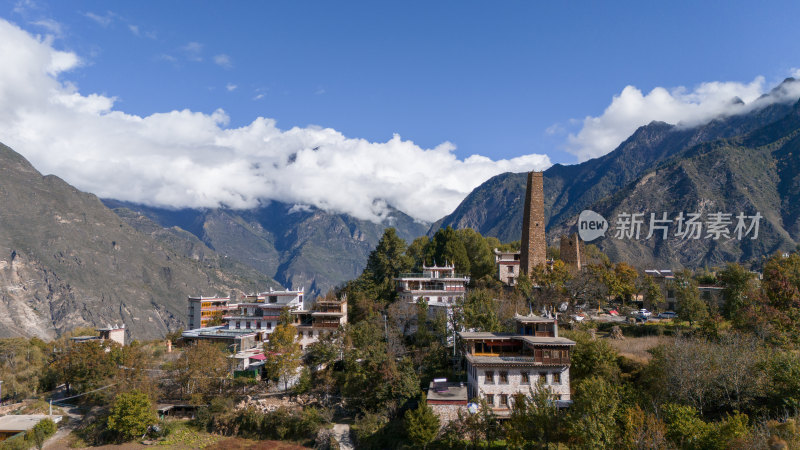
572 251
534 245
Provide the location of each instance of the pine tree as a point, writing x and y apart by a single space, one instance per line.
422 424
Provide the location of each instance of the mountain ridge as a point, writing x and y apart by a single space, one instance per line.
495 207
298 247
66 260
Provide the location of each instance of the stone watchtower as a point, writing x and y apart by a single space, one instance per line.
572 251
534 246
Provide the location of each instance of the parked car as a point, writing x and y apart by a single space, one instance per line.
644 313
667 315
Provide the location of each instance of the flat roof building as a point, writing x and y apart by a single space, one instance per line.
438 286
203 310
501 365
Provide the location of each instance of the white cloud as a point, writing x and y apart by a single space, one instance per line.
193 51
102 20
231 87
50 25
191 159
554 129
223 61
631 109
23 6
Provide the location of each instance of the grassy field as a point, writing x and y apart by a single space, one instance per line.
184 437
636 348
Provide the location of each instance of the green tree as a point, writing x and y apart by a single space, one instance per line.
653 295
417 252
533 418
736 281
422 425
199 371
551 281
386 262
690 306
592 357
448 248
40 432
478 311
84 365
23 364
479 252
131 414
374 379
591 419
783 370
685 428
283 354
619 279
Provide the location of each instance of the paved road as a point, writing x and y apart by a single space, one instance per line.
342 433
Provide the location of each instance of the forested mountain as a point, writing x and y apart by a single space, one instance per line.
67 260
735 164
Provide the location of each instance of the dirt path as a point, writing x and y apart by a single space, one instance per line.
342 433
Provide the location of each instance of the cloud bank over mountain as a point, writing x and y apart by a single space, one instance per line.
192 159
632 109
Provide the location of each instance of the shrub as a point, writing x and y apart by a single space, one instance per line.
131 415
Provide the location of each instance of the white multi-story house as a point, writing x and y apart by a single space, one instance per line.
262 311
327 315
508 263
500 365
438 286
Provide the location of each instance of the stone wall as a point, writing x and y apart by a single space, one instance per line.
448 413
515 384
572 251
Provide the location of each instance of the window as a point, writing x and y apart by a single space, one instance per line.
490 399
269 325
556 377
273 299
489 377
300 334
543 377
525 378
504 400
259 324
238 324
510 269
503 377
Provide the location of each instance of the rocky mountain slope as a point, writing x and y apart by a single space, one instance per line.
603 184
66 260
298 247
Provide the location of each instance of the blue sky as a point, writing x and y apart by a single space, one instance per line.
497 79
